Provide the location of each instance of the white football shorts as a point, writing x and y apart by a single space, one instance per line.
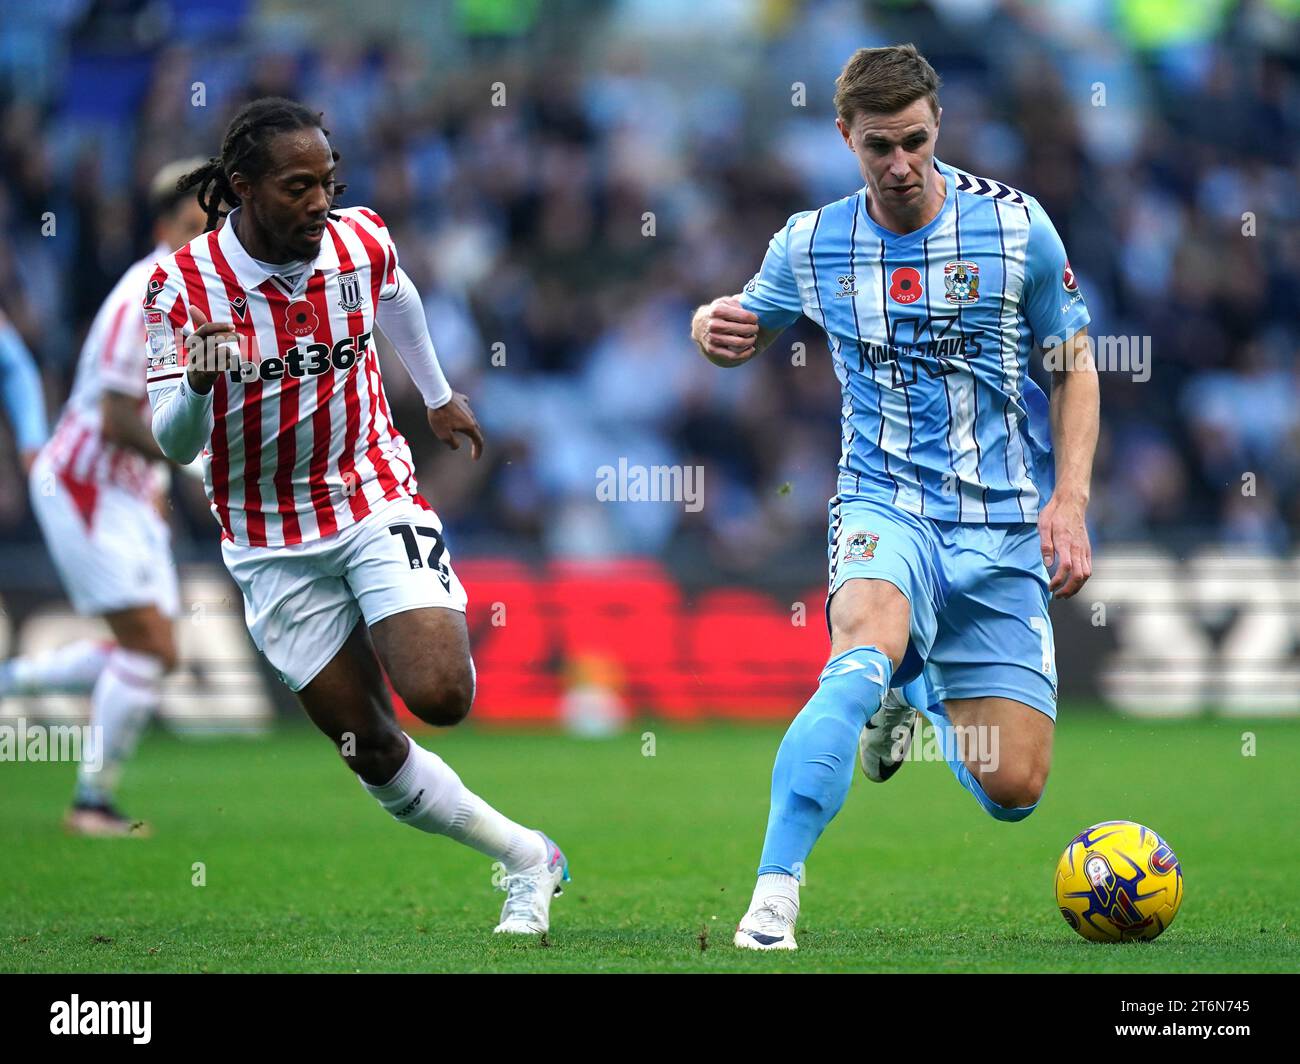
111 548
302 601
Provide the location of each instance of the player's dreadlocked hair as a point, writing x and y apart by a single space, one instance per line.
244 149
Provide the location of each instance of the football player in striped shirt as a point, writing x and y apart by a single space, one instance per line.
96 490
933 287
342 564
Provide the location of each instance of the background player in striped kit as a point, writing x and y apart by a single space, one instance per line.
322 523
933 287
97 489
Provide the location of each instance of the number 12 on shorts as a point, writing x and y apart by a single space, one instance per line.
409 534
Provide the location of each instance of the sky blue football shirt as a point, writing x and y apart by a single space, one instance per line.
931 333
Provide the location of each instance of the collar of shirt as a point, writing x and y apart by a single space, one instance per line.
250 273
289 272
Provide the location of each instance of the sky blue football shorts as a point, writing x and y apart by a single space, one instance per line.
978 596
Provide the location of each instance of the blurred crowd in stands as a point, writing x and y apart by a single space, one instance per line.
567 181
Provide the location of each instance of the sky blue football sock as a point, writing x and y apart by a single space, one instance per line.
917 694
814 766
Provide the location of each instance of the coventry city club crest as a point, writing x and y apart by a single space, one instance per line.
861 547
961 280
349 293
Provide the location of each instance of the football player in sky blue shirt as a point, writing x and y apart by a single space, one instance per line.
24 399
959 483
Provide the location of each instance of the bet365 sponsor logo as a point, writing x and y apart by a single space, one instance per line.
309 361
294 363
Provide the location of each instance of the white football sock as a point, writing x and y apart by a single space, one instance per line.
776 888
72 669
128 691
427 794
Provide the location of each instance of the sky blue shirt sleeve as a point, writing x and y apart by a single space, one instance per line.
24 398
1052 301
773 294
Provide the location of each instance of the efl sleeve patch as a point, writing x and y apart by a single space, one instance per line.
162 343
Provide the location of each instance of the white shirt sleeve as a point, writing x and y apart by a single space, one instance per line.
401 318
123 362
182 418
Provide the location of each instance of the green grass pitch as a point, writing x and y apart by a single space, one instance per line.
305 873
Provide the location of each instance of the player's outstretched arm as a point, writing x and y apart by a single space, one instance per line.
1075 412
400 318
24 398
727 334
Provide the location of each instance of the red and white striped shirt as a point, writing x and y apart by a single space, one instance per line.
302 441
112 358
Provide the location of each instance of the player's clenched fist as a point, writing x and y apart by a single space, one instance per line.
210 350
725 331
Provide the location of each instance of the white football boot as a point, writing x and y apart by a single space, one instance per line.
527 910
769 925
885 741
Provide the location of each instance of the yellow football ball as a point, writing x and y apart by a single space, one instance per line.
1118 882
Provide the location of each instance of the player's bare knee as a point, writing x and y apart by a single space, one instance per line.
1015 787
163 652
166 653
151 636
443 701
847 637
